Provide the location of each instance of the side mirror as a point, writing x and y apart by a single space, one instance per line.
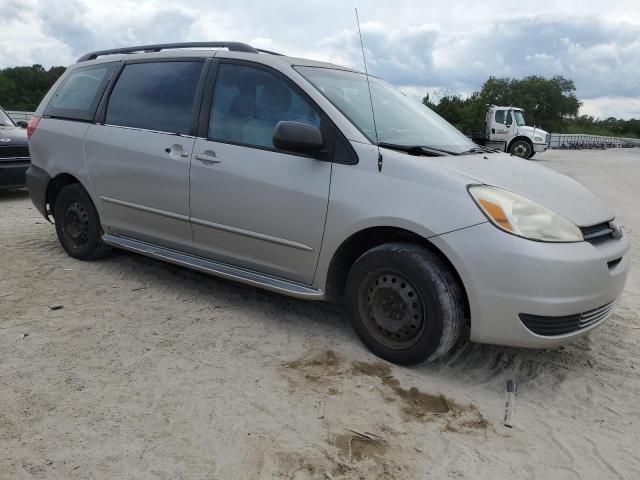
297 137
22 124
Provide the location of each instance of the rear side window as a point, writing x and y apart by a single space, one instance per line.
155 96
79 95
248 102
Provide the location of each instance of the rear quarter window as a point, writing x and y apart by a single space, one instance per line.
78 96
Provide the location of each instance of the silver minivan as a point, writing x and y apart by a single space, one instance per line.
271 171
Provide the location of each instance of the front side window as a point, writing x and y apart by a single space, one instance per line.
519 118
155 96
500 115
509 118
78 97
400 120
248 102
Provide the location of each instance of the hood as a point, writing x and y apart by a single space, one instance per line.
529 131
13 136
547 187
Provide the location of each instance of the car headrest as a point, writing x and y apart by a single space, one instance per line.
272 98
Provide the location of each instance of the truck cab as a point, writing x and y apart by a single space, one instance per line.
506 130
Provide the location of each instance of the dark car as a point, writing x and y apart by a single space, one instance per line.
14 152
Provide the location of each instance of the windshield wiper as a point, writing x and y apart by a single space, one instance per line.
416 149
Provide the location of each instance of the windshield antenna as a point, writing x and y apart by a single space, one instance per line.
373 115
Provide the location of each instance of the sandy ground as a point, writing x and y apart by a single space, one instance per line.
152 371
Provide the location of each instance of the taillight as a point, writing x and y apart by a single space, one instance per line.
32 125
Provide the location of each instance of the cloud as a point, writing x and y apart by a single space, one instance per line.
417 47
83 27
401 56
602 57
605 107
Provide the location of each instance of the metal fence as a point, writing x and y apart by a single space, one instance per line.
16 116
578 141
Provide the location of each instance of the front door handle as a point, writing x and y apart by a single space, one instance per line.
207 159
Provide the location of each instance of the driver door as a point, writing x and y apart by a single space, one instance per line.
253 205
501 126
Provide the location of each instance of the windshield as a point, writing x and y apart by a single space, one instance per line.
519 118
5 121
400 120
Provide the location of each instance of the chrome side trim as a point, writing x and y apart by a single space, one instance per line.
164 213
248 233
218 269
138 129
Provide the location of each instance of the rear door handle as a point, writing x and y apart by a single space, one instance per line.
177 150
207 159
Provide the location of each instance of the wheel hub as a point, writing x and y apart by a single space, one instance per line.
76 224
390 308
395 312
520 150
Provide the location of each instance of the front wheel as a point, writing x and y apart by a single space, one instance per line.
405 303
532 154
78 224
521 148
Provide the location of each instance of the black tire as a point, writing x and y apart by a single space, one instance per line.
532 154
405 303
78 225
521 148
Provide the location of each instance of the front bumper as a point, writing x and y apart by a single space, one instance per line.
506 276
540 147
12 173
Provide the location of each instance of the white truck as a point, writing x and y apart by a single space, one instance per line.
505 130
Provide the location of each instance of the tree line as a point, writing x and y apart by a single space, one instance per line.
22 88
550 103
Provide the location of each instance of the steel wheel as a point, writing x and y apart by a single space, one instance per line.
76 225
392 309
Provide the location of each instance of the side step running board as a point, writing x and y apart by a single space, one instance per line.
215 268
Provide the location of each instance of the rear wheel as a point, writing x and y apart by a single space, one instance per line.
405 303
78 224
521 148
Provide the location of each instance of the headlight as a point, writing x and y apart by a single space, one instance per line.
539 139
519 216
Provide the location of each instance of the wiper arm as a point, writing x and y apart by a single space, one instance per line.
416 149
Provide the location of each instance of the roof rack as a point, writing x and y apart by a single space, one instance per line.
231 46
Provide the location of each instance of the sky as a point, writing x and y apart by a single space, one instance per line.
422 46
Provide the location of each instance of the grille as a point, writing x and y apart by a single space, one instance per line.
553 326
21 151
12 177
597 234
